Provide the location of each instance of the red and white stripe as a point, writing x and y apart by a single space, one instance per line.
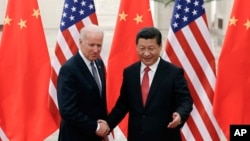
3 137
191 49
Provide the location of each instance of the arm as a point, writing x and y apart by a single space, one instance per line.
184 101
121 107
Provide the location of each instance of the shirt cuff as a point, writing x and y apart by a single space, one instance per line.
98 127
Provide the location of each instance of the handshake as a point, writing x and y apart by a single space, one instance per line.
103 129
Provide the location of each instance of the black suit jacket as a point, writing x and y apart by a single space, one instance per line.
79 100
168 93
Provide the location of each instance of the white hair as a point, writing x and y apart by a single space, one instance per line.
90 28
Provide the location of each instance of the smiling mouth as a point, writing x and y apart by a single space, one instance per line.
147 59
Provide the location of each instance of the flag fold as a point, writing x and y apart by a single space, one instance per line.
232 91
189 46
24 74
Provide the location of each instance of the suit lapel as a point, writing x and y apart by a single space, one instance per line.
85 71
137 95
160 72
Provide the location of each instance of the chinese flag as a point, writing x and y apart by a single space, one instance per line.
132 16
232 92
24 74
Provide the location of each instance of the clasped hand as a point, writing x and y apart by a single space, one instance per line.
104 128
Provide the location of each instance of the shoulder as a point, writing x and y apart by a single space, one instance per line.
170 66
71 63
133 66
165 62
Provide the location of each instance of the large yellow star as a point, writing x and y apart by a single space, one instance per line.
247 24
138 19
232 21
22 23
36 13
123 16
7 20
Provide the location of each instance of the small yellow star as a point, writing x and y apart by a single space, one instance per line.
36 13
123 16
138 19
247 24
22 23
232 21
7 20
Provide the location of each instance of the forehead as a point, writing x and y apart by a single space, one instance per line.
143 41
91 35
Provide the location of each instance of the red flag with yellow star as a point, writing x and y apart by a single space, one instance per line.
131 18
232 91
24 74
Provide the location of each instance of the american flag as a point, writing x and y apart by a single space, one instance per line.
76 14
189 46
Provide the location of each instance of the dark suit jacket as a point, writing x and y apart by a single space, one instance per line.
168 93
79 100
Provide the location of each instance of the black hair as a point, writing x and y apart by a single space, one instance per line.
149 33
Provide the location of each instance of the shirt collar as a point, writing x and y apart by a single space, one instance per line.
84 58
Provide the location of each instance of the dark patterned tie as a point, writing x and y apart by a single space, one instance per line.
145 85
95 75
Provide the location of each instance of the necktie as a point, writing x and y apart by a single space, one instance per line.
95 75
145 85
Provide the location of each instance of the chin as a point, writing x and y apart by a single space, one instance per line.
147 63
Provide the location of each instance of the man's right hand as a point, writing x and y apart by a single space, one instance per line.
104 128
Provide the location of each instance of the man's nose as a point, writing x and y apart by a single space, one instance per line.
95 48
146 52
